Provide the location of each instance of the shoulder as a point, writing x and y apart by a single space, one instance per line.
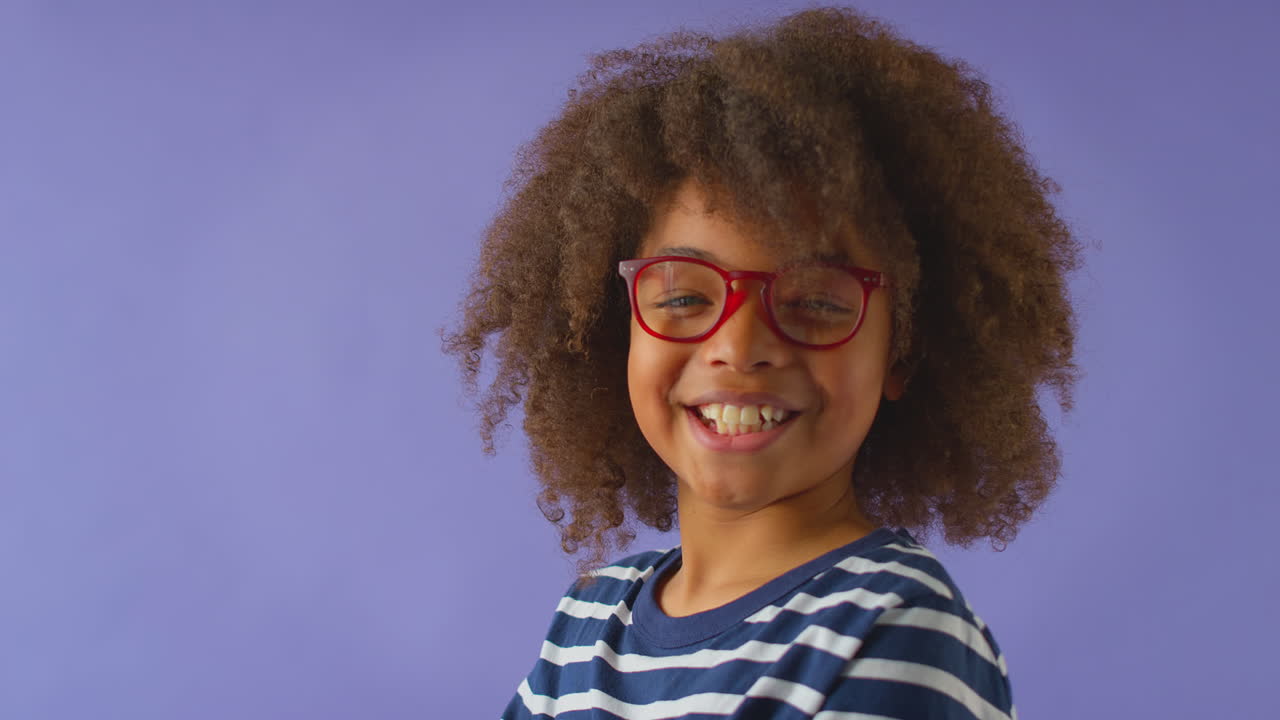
890 575
601 600
894 575
641 563
925 635
615 580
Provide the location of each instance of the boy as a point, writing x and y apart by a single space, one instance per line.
791 287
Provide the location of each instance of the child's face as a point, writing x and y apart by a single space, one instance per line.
833 394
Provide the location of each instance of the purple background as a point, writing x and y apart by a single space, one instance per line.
237 479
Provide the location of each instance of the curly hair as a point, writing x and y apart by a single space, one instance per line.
825 120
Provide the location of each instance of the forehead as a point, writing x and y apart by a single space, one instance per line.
688 224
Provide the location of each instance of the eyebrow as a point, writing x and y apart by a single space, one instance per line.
839 258
688 252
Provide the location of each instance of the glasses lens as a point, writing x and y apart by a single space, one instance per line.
679 299
817 305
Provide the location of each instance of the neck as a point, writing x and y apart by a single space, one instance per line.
727 553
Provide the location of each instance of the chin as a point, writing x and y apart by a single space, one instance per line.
731 490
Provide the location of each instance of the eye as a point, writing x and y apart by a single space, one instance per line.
815 305
682 301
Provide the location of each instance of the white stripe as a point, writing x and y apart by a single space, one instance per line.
796 694
709 703
829 641
594 610
841 715
1004 669
806 604
800 696
976 619
757 651
863 566
927 676
911 549
618 572
944 622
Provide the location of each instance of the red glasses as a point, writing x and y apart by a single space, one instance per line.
684 299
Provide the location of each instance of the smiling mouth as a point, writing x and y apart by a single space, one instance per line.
728 419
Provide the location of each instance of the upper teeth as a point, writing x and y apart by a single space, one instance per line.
742 414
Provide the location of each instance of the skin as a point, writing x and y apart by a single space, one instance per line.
746 518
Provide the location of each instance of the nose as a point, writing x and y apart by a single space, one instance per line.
745 341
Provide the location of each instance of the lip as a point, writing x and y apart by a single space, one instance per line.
750 442
741 398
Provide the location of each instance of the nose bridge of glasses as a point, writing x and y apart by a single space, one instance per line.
740 291
740 287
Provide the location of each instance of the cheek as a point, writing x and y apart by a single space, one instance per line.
654 371
855 377
649 373
852 388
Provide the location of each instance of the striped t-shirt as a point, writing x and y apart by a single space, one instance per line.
872 630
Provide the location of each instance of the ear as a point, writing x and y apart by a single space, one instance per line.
895 383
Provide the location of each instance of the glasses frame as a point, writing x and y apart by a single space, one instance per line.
734 299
